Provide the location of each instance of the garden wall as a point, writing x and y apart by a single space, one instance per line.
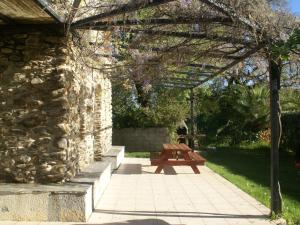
55 113
141 139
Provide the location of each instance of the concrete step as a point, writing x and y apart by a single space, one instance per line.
73 201
116 156
98 175
35 202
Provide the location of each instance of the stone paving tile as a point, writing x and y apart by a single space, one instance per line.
28 223
7 223
137 196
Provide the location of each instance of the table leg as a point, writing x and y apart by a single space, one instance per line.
194 167
159 168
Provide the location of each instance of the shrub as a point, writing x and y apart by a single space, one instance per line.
290 139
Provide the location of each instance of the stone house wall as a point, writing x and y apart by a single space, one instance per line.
141 139
55 113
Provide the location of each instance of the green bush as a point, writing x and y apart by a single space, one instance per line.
290 139
236 114
166 108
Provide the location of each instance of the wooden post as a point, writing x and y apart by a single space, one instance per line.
275 111
192 135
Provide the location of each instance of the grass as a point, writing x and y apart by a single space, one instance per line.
137 154
248 167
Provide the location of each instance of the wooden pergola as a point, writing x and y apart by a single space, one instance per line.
229 50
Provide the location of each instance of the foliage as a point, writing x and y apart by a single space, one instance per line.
247 166
290 131
167 107
283 49
238 113
290 100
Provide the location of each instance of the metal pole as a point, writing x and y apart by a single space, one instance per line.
275 72
191 141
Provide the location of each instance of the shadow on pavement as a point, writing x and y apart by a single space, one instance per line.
135 222
183 214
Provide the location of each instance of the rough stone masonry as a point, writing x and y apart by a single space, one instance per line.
55 112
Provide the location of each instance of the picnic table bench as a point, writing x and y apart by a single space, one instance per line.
178 155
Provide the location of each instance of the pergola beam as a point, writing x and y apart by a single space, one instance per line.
200 74
191 35
204 66
125 8
182 80
222 8
75 7
44 4
174 85
275 67
159 21
232 64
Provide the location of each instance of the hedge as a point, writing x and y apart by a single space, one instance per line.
291 131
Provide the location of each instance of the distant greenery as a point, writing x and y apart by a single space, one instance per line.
239 113
165 108
233 114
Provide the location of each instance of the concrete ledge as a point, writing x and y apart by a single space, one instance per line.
73 201
116 156
98 175
29 202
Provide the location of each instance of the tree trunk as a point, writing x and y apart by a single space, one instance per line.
191 139
275 72
142 96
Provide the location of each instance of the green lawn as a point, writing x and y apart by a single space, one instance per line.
137 154
248 167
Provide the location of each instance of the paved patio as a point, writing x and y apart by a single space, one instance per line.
137 196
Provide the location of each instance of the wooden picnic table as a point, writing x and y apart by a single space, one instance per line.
178 155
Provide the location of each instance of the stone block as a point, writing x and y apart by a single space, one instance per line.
116 156
96 174
32 202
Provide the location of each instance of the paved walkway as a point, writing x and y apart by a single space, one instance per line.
137 196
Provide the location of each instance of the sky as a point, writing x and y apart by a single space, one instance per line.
294 6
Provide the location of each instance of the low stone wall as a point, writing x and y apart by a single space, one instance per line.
55 113
141 139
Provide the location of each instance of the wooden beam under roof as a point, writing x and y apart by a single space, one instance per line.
125 8
45 5
6 19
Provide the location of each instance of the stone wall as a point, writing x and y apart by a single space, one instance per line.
55 113
141 139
